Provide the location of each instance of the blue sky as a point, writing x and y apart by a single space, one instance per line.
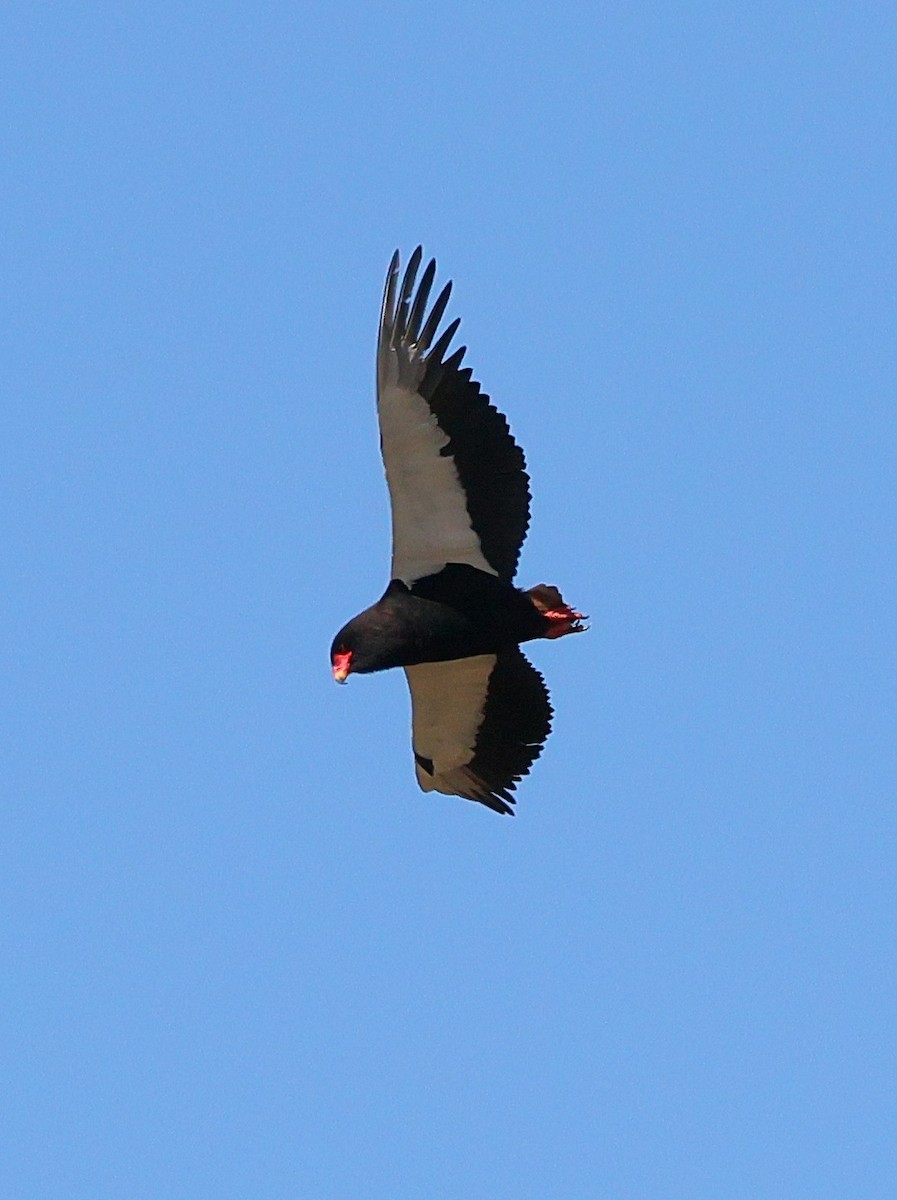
242 954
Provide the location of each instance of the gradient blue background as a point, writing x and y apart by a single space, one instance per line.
242 956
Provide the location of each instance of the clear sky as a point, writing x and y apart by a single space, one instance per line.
242 955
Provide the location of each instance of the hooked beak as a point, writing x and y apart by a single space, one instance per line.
342 665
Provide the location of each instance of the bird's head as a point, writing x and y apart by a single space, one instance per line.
372 641
354 651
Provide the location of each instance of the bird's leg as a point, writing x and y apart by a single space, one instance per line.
554 608
564 620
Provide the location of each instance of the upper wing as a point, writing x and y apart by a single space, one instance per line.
478 725
456 477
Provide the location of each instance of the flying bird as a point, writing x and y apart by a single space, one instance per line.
451 615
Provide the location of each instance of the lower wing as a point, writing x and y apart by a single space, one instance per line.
478 725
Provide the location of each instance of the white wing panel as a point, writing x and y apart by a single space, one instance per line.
430 522
447 704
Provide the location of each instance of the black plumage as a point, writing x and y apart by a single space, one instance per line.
451 615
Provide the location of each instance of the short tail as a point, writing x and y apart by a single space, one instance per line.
560 618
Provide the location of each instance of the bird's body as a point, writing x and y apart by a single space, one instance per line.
451 615
455 613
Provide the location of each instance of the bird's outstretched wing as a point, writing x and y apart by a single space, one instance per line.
457 479
478 725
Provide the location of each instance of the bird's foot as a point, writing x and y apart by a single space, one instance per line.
564 620
554 608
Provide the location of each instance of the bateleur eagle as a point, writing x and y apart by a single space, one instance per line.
451 615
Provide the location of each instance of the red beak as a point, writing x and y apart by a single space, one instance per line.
342 665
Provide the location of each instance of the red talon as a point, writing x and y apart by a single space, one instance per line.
561 617
563 621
